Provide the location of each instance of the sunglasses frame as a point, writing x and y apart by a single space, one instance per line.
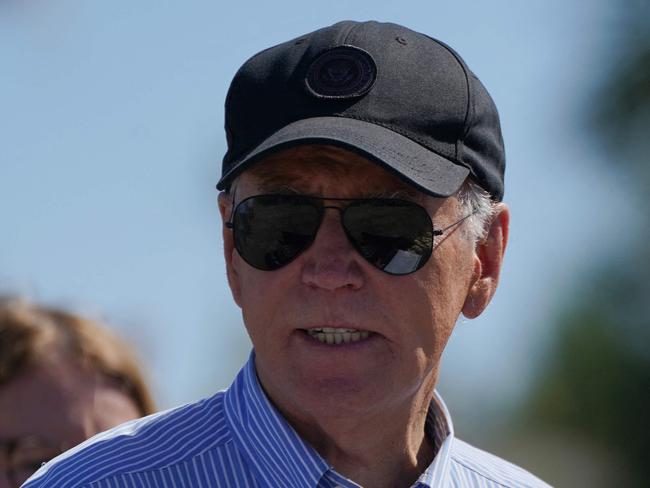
408 203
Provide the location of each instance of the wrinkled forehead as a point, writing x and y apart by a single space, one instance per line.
318 169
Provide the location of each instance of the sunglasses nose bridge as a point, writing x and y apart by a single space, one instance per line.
333 207
341 210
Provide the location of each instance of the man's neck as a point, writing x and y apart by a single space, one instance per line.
387 449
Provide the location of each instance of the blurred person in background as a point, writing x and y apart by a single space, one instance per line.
63 379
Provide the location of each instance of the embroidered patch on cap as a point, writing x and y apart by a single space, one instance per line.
341 72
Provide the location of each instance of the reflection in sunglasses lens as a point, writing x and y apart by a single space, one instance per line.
272 230
393 235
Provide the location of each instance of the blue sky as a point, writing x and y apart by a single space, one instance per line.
111 117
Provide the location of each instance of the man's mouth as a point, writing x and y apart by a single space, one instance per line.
336 335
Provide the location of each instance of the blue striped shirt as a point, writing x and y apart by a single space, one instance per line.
237 438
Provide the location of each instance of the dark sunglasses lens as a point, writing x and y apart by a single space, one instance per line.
395 236
271 230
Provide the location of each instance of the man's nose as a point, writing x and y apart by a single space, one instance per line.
331 262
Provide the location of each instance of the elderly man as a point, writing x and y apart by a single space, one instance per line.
362 215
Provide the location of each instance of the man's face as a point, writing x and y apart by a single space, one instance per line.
409 317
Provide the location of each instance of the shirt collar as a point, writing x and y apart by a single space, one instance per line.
440 429
275 451
272 448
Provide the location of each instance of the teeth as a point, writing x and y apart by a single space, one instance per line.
333 335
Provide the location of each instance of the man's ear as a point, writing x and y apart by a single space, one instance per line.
225 209
488 258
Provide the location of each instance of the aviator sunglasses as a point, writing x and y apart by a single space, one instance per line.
395 236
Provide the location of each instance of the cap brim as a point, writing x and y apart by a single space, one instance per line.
425 169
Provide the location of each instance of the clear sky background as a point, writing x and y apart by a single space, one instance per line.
111 139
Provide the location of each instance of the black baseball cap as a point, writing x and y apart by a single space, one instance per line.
400 98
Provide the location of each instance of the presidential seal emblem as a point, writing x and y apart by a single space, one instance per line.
341 72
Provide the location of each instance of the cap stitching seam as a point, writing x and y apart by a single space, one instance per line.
400 132
349 33
463 133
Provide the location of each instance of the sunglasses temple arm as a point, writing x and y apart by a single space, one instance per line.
442 231
232 210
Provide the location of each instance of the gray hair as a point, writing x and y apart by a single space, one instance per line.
476 201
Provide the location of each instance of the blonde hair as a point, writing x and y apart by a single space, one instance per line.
28 332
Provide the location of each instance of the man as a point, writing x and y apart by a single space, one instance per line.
362 215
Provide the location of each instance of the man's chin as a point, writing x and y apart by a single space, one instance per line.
332 397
